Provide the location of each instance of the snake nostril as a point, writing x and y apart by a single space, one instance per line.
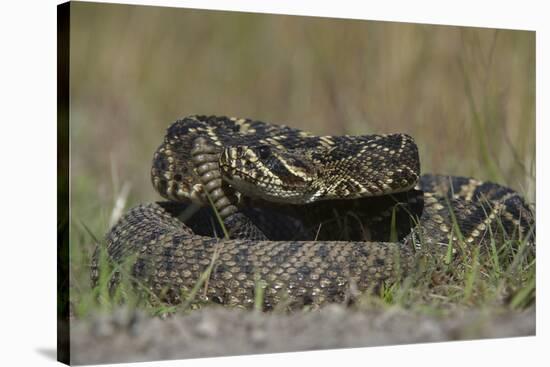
264 152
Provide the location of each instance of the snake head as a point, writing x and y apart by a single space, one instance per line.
268 173
343 168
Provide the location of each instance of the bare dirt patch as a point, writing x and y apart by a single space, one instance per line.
130 337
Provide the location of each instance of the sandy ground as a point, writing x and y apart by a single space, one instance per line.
130 337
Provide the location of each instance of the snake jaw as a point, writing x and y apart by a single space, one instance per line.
267 173
273 190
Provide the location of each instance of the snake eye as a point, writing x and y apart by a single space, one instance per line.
264 152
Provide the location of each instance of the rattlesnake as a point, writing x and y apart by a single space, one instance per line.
313 219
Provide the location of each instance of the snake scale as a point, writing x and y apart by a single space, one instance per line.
313 219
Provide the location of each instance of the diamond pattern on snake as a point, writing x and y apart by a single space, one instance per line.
317 219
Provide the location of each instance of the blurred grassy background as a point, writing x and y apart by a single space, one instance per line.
467 95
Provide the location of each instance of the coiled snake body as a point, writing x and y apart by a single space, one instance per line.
312 219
